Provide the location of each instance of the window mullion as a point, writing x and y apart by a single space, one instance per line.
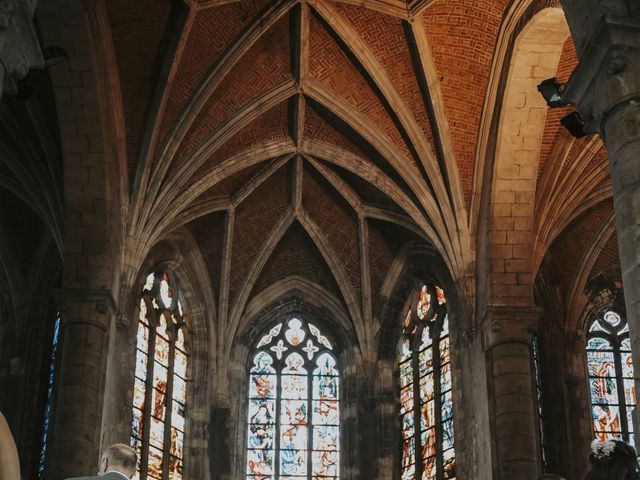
309 421
167 414
276 457
622 401
417 405
148 396
437 405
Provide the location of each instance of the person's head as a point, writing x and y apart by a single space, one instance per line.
612 460
119 458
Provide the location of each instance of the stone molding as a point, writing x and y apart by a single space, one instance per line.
506 324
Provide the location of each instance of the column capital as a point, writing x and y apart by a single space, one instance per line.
502 324
608 73
82 303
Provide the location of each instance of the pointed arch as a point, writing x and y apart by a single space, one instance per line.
514 179
309 292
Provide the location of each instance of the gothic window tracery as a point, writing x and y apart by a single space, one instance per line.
293 421
611 384
426 403
160 392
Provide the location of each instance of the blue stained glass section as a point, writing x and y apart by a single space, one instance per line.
598 343
47 411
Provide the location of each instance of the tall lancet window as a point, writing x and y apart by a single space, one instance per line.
426 404
293 421
160 392
55 341
537 371
611 386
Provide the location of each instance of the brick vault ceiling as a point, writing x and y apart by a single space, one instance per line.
313 122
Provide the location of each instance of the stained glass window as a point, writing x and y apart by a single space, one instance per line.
293 421
540 401
426 402
611 388
160 391
50 380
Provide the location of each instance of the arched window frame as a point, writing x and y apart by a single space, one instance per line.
161 321
271 343
425 338
610 327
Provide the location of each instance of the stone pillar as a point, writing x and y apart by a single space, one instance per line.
230 406
353 442
386 440
507 333
86 316
584 16
605 87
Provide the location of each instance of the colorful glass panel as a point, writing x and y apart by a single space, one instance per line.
160 389
426 399
177 415
599 344
293 425
325 464
295 334
55 340
406 399
610 368
262 386
321 338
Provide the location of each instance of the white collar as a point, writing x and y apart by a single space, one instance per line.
116 472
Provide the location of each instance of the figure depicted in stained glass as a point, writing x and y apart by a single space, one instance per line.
426 399
294 372
259 462
447 426
160 392
259 437
325 463
611 384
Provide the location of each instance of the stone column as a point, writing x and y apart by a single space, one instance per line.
353 441
386 441
507 333
605 87
229 427
86 316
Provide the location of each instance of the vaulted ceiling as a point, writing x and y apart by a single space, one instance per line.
316 138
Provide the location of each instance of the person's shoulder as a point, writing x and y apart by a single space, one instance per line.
106 476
